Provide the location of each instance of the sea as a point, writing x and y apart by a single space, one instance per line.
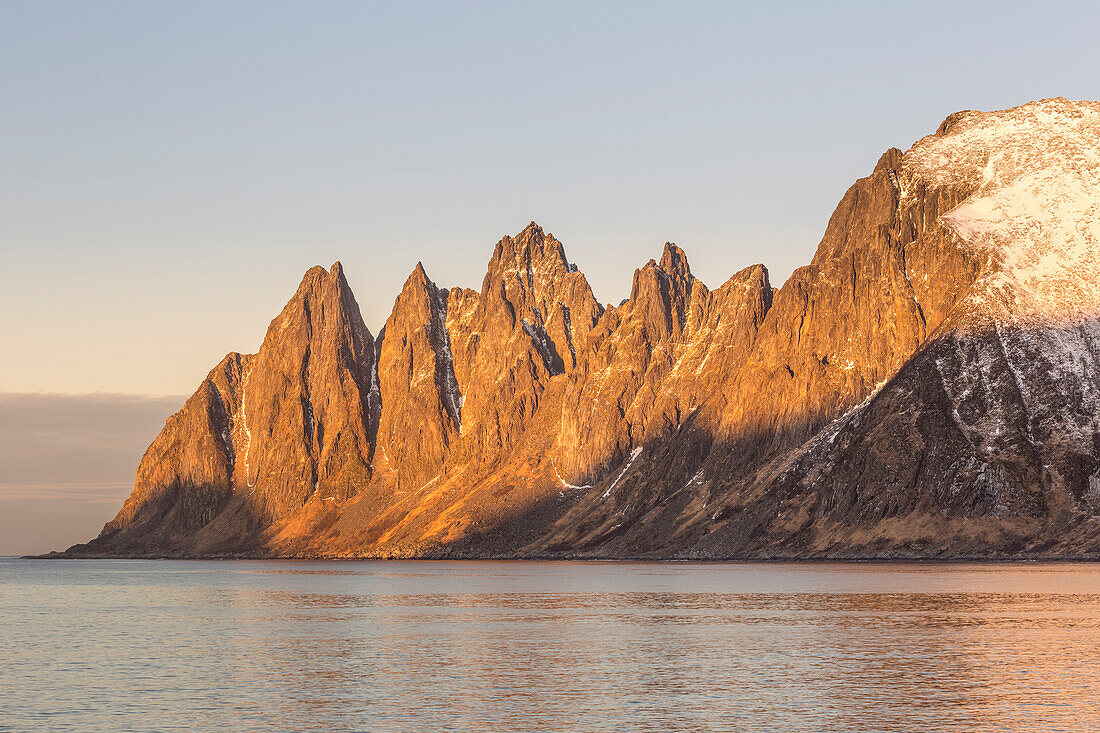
121 645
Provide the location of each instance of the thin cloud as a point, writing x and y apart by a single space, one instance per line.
67 463
94 492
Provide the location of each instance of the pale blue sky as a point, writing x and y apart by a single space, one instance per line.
169 170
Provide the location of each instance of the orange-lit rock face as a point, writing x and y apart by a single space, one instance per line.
525 327
306 420
653 360
186 476
422 410
927 385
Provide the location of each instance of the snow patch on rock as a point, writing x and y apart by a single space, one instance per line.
633 457
247 433
566 485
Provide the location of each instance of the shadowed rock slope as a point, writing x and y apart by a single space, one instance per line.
928 386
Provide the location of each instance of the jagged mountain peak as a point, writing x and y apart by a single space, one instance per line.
418 279
669 281
305 417
530 256
674 260
757 274
318 273
421 411
421 303
323 297
530 288
318 285
890 159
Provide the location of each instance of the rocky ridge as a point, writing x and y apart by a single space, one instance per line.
928 386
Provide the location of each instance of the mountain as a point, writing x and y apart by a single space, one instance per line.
928 386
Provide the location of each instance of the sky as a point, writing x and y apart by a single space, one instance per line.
67 463
168 171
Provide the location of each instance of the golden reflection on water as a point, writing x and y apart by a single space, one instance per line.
549 646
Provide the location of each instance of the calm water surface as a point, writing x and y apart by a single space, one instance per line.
396 646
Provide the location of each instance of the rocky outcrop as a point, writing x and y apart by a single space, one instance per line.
523 329
185 478
422 410
928 386
263 434
307 419
649 362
